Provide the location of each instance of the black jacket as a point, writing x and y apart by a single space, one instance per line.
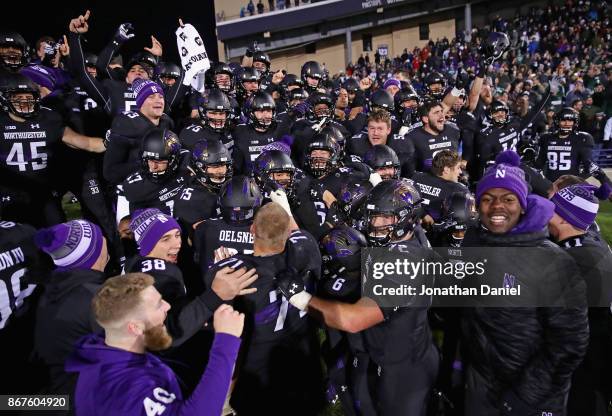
528 354
63 316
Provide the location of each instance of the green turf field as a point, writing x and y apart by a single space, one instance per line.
604 219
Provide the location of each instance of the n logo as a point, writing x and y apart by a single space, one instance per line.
500 173
509 280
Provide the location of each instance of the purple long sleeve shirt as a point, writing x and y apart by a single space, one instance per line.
119 382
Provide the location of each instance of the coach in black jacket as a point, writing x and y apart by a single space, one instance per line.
521 360
79 251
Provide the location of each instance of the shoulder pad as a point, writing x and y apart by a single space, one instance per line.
586 137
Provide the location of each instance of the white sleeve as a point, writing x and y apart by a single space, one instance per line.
607 130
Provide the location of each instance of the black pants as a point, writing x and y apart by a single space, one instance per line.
404 388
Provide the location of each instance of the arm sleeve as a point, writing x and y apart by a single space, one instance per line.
209 395
188 316
92 86
174 95
117 166
586 155
564 347
104 60
608 130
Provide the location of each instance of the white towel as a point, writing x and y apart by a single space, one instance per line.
194 58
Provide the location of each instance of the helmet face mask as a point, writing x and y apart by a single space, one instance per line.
322 154
223 82
391 212
458 212
384 161
563 119
159 146
217 119
262 111
273 169
499 113
211 163
435 84
312 75
19 96
25 105
13 52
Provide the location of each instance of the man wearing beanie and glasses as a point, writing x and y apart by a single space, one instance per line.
520 360
576 207
79 252
159 241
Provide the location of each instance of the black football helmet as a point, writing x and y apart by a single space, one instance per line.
15 59
351 199
311 69
351 85
457 214
380 157
224 83
211 153
382 99
495 45
91 59
165 70
318 166
217 102
403 97
239 200
12 84
317 98
264 59
292 80
160 145
248 74
341 250
496 106
262 101
431 80
395 198
296 96
146 60
269 163
567 114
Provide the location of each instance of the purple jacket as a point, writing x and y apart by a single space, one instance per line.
119 382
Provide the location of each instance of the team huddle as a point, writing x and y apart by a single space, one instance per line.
234 220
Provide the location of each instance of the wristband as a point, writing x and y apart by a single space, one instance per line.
301 300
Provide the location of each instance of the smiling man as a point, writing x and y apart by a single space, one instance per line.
521 359
159 241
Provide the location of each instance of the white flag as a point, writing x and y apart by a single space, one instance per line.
194 58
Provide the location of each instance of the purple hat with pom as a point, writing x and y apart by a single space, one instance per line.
72 245
142 88
506 174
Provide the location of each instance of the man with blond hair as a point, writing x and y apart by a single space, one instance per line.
117 374
280 372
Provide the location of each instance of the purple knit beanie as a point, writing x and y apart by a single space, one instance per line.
39 75
577 204
72 245
142 88
149 226
392 81
505 174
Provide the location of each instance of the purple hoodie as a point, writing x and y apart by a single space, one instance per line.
118 382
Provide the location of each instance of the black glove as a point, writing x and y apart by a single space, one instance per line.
300 109
124 32
291 285
251 49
